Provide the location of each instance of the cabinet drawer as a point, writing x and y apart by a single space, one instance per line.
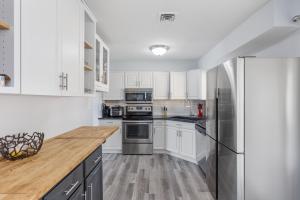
183 125
159 122
93 160
110 122
68 186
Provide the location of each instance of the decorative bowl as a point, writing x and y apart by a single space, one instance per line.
20 146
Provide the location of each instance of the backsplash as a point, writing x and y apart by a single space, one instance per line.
175 107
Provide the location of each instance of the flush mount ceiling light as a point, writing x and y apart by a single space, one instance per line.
159 50
296 18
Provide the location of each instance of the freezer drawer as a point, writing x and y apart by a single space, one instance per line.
230 174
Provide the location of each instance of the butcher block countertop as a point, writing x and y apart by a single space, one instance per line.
90 132
31 178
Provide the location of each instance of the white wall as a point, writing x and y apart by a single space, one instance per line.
260 31
288 47
158 65
51 115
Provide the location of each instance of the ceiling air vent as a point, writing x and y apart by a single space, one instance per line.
167 17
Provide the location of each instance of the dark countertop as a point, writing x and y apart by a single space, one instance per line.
188 119
110 118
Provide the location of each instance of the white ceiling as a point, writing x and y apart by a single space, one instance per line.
131 26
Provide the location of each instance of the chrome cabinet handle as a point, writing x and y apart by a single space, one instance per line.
73 186
97 159
91 187
66 77
61 84
84 195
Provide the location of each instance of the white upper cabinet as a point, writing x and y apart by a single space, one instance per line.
102 65
51 47
172 142
69 29
196 84
161 85
131 79
178 85
145 79
39 46
116 88
138 80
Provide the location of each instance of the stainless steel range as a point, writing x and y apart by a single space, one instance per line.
138 129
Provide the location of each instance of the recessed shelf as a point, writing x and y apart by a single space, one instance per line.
4 25
87 45
88 68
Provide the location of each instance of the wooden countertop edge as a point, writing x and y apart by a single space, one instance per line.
39 194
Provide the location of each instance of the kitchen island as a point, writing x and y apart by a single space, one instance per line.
36 177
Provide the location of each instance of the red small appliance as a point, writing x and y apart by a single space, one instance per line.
200 110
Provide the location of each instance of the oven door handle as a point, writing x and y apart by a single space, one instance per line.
137 121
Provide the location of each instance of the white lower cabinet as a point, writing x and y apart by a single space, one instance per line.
113 143
180 140
159 137
172 139
187 142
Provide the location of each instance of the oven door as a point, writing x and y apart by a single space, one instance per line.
138 132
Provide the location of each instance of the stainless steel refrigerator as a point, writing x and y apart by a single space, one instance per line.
253 129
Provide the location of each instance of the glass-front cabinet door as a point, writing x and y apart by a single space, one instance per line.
98 58
102 65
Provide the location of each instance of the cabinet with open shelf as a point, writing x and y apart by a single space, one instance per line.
89 52
10 46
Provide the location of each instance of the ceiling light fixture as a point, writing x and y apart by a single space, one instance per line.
159 50
296 18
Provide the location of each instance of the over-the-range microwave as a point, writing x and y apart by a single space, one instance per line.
138 95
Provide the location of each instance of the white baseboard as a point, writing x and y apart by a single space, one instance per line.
111 150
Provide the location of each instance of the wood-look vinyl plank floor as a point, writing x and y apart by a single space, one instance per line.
152 177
